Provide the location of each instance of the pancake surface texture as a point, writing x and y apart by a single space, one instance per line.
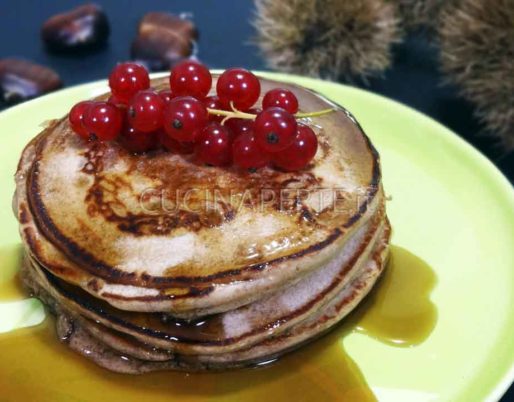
183 266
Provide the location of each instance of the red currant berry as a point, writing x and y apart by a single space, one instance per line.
184 117
213 102
298 155
238 86
76 118
166 95
246 154
239 126
126 79
175 146
137 141
115 101
213 145
281 98
103 121
190 78
274 129
145 111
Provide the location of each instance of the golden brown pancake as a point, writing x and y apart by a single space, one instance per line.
231 330
120 246
153 261
124 352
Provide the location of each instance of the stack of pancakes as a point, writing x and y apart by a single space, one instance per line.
154 262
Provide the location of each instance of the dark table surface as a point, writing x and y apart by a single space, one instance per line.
226 40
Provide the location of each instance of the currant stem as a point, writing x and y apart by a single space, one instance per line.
236 114
314 114
231 114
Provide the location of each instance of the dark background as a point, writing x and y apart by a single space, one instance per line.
225 41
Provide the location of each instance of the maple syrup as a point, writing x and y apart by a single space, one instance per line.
11 288
35 366
399 311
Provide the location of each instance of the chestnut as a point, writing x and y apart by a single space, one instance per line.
84 27
21 80
163 39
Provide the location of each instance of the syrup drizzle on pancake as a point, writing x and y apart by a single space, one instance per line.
187 196
35 365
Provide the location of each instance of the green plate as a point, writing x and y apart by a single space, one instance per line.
450 206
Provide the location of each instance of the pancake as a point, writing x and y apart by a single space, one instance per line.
140 258
118 352
234 329
81 278
155 262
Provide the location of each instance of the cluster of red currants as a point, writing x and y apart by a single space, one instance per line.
219 129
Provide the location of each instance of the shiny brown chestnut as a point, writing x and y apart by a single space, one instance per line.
163 39
83 27
21 80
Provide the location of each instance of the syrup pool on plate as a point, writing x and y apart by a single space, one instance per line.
11 288
36 366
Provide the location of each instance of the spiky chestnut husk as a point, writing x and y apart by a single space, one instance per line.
421 14
332 39
477 54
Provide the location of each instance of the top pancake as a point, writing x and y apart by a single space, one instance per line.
160 220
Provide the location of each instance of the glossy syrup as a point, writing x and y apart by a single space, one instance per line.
34 366
11 288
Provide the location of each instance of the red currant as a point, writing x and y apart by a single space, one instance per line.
238 86
213 145
137 141
239 126
76 118
274 129
213 102
190 78
175 146
145 111
126 79
246 154
103 121
281 98
298 155
184 117
166 95
115 101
